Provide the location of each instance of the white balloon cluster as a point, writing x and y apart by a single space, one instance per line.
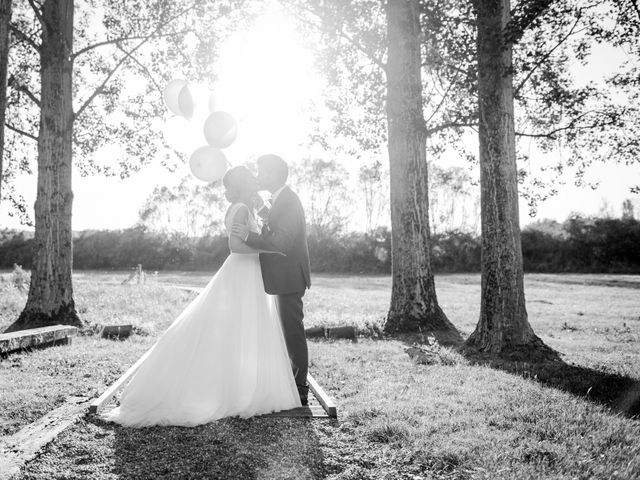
196 121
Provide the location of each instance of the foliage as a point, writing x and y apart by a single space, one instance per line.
373 182
189 208
322 186
454 203
124 53
580 244
19 278
563 123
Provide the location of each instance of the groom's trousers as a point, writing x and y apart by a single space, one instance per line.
291 316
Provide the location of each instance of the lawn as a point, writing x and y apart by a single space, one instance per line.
453 419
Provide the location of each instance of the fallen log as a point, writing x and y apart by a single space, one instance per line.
345 332
119 332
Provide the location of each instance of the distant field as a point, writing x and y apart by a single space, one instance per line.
453 419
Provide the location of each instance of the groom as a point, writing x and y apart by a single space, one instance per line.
286 276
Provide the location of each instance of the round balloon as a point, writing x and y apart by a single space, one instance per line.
220 129
186 101
171 93
208 164
193 100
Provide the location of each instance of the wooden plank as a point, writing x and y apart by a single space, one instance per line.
313 411
36 337
24 445
323 398
111 392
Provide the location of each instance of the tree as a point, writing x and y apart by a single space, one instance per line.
503 326
373 183
453 200
190 209
5 23
414 303
50 298
357 37
627 209
324 194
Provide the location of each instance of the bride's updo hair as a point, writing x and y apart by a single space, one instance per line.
240 184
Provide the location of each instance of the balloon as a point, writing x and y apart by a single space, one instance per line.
170 95
193 100
179 134
220 129
186 102
208 164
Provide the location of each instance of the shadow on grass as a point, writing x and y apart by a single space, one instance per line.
619 393
231 448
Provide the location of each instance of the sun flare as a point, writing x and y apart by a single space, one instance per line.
266 78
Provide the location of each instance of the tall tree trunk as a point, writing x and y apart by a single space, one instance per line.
414 305
503 326
5 22
50 299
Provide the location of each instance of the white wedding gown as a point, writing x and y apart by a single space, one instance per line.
223 356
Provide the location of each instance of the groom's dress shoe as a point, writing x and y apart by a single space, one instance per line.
304 401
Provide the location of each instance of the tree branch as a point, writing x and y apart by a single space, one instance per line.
23 36
636 8
142 67
21 132
444 126
522 17
28 93
551 135
36 9
117 41
341 33
444 97
548 54
128 55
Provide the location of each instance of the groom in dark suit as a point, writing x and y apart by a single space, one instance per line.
287 276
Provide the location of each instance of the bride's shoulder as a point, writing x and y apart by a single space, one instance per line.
237 210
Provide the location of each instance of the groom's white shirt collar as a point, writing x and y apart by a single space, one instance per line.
276 193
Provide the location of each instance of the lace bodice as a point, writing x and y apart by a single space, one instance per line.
231 213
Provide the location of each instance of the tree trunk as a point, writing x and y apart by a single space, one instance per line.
50 299
5 22
503 326
414 305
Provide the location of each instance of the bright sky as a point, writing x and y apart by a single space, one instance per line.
267 81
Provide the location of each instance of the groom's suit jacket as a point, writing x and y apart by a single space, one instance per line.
284 231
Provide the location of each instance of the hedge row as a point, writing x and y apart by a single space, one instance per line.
578 245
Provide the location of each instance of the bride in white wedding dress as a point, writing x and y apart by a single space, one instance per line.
225 354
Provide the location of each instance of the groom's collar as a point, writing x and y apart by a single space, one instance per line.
276 194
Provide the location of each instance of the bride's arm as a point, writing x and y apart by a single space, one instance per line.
236 245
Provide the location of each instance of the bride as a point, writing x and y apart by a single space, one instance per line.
225 354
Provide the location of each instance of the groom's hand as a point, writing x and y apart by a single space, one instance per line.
240 230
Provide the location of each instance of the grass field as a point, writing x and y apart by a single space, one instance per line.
453 419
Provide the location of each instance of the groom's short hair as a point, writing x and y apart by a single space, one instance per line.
274 163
